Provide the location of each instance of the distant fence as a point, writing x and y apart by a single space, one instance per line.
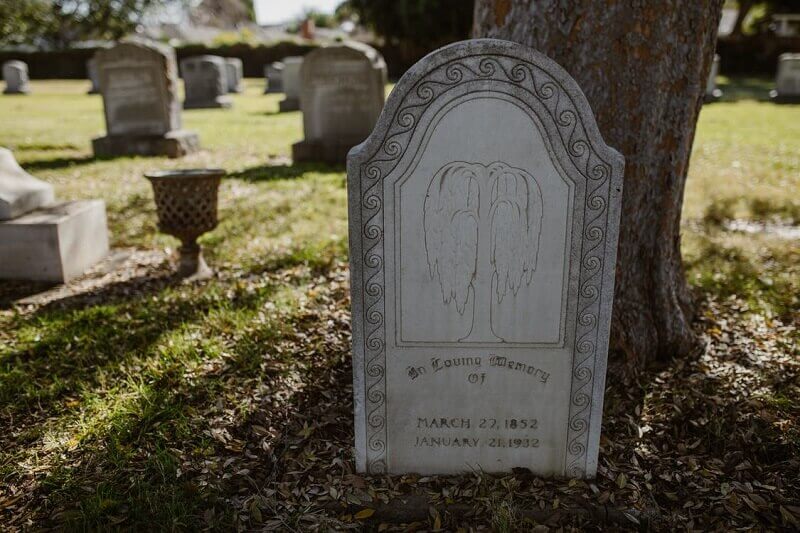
753 55
71 64
746 55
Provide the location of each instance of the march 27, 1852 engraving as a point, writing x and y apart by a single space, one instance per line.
484 213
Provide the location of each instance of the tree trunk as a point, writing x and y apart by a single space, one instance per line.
483 286
643 67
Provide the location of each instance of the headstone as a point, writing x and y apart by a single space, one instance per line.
788 79
291 84
91 71
15 74
235 74
712 92
19 191
342 90
42 240
273 76
205 80
786 25
139 83
484 215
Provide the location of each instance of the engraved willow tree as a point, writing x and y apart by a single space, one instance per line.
482 226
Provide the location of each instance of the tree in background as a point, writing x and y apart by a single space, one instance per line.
643 67
60 23
321 19
222 13
421 23
21 21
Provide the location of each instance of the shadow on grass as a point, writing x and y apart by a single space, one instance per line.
131 459
142 488
298 432
760 276
11 291
80 337
44 147
278 172
59 163
275 113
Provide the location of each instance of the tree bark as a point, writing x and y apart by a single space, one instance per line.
643 66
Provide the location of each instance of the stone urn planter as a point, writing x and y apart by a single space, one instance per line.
186 201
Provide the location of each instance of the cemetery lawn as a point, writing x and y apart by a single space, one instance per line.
129 400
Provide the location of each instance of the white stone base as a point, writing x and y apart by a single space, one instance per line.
54 243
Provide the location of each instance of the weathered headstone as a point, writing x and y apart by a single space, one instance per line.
341 95
139 83
291 84
43 240
788 79
712 92
205 80
91 71
15 74
235 74
484 216
19 191
273 76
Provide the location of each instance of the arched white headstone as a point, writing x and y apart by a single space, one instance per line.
484 215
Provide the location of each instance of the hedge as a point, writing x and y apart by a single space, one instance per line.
751 55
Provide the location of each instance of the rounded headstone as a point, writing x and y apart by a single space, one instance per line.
291 83
273 77
139 82
484 218
235 73
712 93
342 88
787 81
205 82
91 71
15 75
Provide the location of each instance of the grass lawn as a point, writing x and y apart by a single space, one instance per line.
129 399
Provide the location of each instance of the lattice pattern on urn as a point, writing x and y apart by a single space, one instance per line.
187 206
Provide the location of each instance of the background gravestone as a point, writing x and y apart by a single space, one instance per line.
235 73
291 84
19 191
138 80
788 79
342 90
712 92
43 240
91 71
273 76
205 82
484 217
15 74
